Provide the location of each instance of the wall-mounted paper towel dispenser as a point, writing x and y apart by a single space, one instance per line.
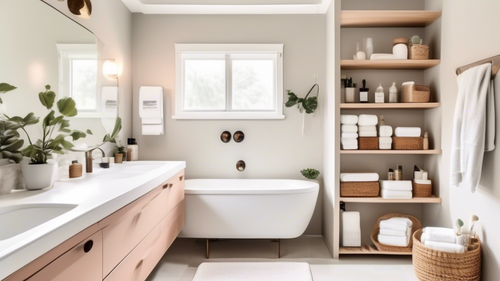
151 110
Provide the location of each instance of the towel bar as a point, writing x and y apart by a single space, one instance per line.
495 65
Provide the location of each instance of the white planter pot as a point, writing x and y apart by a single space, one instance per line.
10 178
38 176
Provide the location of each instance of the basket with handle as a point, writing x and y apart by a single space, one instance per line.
387 248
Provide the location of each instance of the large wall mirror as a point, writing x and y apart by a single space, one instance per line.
40 46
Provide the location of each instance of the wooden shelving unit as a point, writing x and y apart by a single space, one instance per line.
427 105
387 64
419 200
396 152
409 18
369 250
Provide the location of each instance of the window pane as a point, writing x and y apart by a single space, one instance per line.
204 84
84 84
253 85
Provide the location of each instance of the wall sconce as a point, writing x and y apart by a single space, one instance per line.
80 8
110 69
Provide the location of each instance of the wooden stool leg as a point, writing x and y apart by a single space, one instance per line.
279 248
208 249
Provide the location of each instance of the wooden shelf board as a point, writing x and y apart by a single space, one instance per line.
389 151
416 200
426 105
368 250
387 64
388 18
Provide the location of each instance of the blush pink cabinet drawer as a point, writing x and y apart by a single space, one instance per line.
81 263
119 238
176 192
143 259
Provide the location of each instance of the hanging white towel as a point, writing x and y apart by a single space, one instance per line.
349 128
473 125
367 120
349 119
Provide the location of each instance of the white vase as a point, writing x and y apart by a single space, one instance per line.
38 176
368 47
10 178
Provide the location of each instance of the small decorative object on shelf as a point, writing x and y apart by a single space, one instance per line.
412 92
75 169
350 91
393 93
360 55
310 173
418 51
368 42
379 94
426 141
363 93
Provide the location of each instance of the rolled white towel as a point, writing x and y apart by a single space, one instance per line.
349 128
395 194
385 146
368 134
350 135
399 241
438 234
396 185
392 232
408 132
392 225
349 119
367 120
385 131
349 141
385 140
445 247
358 177
350 146
367 128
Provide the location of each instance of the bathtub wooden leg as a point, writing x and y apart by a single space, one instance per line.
279 246
208 249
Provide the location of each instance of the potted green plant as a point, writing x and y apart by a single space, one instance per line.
311 174
120 153
10 144
39 173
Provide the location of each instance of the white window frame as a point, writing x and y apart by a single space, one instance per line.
227 50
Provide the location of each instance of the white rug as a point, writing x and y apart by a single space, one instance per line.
253 271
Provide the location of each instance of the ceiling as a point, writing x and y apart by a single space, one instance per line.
228 6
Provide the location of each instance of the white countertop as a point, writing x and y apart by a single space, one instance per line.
97 195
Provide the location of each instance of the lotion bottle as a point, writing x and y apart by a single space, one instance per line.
393 93
379 94
363 93
134 149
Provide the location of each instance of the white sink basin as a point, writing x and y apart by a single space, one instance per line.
17 219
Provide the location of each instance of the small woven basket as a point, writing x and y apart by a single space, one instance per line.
419 52
422 190
368 143
408 143
376 229
360 189
415 93
432 265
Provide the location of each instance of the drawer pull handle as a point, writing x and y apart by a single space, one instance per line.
88 246
170 185
165 186
181 178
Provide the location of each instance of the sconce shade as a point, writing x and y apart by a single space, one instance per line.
110 69
80 8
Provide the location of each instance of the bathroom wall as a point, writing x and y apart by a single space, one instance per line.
467 36
273 148
111 22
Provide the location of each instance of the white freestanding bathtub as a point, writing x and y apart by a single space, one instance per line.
248 209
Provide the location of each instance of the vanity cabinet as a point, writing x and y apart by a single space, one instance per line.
126 245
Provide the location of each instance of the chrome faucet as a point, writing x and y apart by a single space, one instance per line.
89 159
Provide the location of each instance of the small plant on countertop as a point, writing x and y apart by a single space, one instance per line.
40 150
310 173
10 144
120 149
309 104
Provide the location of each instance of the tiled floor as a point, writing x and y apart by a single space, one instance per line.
184 256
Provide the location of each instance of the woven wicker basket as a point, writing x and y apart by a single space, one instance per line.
422 190
419 52
432 265
360 189
407 143
368 143
381 247
415 93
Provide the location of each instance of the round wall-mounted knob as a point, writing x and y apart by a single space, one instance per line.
225 137
239 136
240 166
88 246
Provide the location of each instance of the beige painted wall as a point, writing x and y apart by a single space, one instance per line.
468 34
273 148
111 22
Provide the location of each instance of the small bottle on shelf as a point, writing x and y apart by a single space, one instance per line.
390 175
75 169
363 93
379 94
398 174
393 93
426 141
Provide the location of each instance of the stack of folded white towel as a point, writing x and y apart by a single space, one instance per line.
395 232
409 132
396 189
442 239
367 125
351 229
349 131
385 137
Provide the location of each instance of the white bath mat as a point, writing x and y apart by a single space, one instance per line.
253 271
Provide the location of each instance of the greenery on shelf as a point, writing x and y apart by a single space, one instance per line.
10 144
40 150
309 104
310 173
